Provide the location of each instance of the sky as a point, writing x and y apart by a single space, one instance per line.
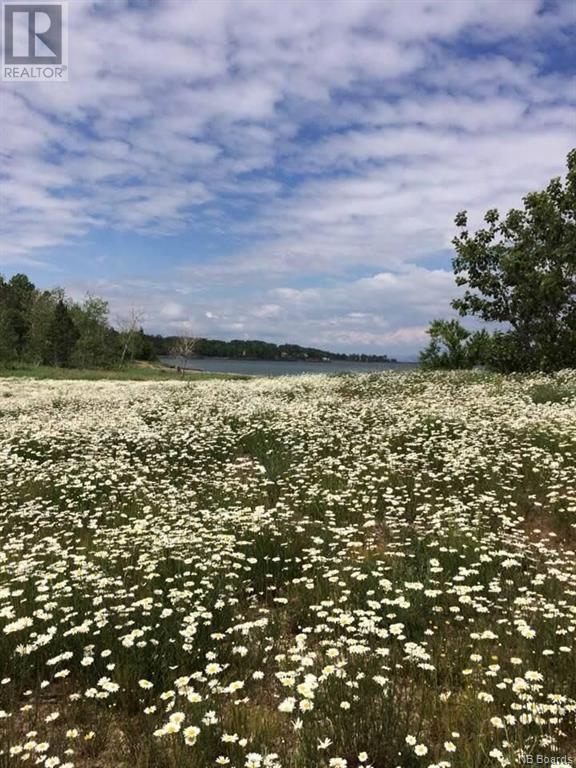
284 170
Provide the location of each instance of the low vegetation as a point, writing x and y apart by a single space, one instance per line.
131 372
329 572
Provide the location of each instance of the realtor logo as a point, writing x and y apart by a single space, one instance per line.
35 42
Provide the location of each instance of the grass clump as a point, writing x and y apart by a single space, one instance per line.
551 393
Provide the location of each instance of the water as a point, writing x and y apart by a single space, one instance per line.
282 367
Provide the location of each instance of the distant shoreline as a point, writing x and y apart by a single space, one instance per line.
283 360
290 367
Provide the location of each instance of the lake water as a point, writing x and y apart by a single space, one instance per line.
283 367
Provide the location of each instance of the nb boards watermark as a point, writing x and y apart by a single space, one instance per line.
35 42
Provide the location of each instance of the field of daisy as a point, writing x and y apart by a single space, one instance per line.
344 571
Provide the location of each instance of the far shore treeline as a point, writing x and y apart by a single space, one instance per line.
254 350
48 328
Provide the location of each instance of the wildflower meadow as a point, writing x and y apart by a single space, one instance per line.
311 571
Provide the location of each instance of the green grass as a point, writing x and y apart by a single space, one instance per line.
551 393
136 372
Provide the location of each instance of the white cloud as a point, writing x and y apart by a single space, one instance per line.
396 308
333 137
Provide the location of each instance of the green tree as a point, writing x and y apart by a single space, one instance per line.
520 270
37 349
145 346
453 346
62 335
97 344
8 339
17 296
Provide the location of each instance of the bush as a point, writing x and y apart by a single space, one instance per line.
551 393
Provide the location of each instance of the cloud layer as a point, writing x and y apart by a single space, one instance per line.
314 155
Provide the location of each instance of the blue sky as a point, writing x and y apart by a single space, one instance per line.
287 171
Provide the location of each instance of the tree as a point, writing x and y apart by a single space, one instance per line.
453 346
97 344
520 270
145 345
41 313
62 335
184 347
17 296
129 328
8 339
